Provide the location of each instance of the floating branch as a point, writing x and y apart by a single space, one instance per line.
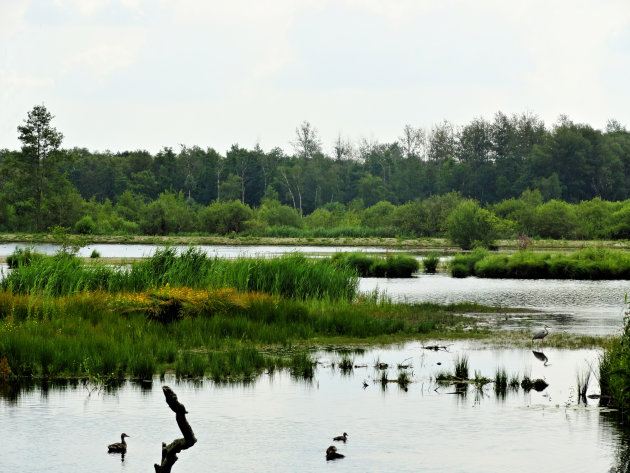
169 452
436 347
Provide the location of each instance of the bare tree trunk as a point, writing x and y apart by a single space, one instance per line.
288 186
169 452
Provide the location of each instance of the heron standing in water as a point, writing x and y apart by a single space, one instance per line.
541 334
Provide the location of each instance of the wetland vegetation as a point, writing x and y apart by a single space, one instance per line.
194 315
592 263
390 266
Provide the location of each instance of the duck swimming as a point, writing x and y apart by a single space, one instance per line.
118 447
341 438
332 454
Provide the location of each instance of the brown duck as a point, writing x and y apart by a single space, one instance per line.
118 447
332 454
341 438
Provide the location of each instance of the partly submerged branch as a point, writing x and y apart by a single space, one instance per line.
169 452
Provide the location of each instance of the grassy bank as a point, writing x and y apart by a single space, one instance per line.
440 244
593 263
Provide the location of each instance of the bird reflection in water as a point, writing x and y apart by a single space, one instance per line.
541 356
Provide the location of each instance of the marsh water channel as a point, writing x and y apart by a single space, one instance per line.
279 423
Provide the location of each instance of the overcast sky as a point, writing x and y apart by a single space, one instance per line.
144 74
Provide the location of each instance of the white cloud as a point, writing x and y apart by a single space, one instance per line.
164 72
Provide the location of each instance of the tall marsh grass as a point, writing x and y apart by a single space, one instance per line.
292 275
500 381
122 334
461 367
592 263
430 263
391 266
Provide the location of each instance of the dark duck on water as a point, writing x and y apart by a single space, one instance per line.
332 454
118 447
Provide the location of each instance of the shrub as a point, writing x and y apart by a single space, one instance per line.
469 225
85 226
430 263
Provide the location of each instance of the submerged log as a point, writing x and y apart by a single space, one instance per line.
169 452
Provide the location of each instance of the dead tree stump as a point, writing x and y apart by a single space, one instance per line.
169 452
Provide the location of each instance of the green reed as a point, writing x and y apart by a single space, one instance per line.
592 263
85 334
500 380
293 275
461 366
391 266
430 262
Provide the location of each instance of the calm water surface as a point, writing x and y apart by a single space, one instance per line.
142 251
584 307
278 423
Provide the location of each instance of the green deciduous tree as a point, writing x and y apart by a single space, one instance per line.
469 225
224 217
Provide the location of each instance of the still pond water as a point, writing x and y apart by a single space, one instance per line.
278 423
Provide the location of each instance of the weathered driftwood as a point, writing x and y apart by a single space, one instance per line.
169 452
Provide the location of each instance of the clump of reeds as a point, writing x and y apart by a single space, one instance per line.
583 380
383 379
463 265
403 379
430 262
479 380
346 363
527 383
461 366
444 377
302 365
22 257
500 381
514 383
392 266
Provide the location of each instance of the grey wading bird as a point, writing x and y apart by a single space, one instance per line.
541 333
119 447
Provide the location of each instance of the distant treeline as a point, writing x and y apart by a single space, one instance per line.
567 181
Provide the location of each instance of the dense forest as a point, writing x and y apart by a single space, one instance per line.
514 173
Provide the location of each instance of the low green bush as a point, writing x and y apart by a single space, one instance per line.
430 263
